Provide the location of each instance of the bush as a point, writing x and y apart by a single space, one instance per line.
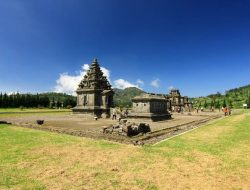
68 106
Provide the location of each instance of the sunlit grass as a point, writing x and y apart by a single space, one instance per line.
215 155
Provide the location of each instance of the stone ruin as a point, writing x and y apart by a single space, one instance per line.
177 101
126 128
149 107
94 94
156 107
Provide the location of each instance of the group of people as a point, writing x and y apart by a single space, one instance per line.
115 112
226 110
179 109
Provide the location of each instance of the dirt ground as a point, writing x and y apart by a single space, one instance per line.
89 127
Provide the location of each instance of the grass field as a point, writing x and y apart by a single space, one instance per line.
16 112
33 110
216 156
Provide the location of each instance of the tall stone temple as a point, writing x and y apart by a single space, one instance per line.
94 93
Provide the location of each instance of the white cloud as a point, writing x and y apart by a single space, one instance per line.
122 84
140 82
85 67
68 83
155 83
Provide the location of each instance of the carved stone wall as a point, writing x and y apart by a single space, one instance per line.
94 93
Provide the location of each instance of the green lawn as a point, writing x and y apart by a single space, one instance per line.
34 110
215 156
16 112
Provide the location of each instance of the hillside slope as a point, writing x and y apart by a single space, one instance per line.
122 98
234 98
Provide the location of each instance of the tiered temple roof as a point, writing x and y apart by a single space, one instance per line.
94 79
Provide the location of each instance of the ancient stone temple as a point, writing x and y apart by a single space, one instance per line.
94 93
178 101
150 106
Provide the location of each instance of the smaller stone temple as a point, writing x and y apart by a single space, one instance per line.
149 106
94 93
177 101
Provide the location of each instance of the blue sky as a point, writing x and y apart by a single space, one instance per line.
200 47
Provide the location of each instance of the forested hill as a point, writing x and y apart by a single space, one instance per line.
122 98
241 90
234 97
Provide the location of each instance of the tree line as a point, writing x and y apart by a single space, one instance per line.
35 101
213 103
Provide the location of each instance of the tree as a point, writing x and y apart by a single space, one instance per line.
230 104
1 100
38 100
44 101
18 102
205 104
66 102
5 100
22 100
11 103
217 105
52 103
218 94
213 103
248 101
224 103
58 103
199 105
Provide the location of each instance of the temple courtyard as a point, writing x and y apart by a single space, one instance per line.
78 125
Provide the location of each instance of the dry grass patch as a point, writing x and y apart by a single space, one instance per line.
212 157
77 165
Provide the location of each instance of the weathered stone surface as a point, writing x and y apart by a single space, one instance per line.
143 128
128 129
94 93
39 122
156 107
178 102
150 106
4 122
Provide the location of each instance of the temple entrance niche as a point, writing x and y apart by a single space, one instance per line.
109 101
84 100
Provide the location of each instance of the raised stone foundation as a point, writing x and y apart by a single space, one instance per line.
149 116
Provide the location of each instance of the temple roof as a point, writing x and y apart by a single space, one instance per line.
94 78
148 97
175 92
